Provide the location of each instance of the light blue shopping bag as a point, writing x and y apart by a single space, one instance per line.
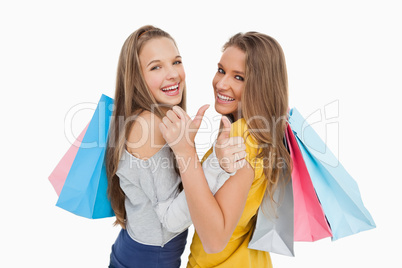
336 189
84 192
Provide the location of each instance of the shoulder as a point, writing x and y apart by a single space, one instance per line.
240 129
144 138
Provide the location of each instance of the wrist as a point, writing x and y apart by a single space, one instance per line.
214 158
184 152
186 159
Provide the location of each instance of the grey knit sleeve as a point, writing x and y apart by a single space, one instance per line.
174 213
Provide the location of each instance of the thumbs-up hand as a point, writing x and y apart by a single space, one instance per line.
179 130
230 151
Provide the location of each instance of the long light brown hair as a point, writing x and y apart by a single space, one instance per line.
132 97
264 103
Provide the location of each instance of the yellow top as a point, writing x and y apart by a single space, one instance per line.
236 253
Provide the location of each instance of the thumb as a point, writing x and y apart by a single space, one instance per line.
225 134
198 118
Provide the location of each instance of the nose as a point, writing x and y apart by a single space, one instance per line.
172 73
223 83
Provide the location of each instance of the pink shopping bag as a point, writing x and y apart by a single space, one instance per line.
59 174
310 223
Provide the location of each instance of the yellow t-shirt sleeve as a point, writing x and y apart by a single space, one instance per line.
240 129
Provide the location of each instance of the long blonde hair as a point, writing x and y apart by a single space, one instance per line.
265 103
132 97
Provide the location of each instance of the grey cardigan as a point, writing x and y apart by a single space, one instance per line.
156 209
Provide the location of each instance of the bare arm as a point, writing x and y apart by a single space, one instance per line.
145 139
214 218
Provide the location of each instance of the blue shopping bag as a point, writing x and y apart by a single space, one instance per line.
337 191
84 192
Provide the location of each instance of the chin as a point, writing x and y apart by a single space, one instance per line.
177 101
170 101
223 110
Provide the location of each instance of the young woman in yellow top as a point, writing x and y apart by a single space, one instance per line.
251 88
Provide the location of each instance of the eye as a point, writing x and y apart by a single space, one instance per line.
177 62
220 70
155 68
238 77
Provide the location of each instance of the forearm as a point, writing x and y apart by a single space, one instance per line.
214 174
174 213
206 214
214 218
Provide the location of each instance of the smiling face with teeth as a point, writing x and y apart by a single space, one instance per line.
228 82
163 70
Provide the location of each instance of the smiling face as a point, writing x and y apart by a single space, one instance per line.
229 83
163 70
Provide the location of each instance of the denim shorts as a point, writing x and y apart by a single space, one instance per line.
128 253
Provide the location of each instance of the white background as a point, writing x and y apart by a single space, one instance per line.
57 54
